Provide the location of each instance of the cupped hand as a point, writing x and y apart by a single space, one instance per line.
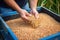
35 13
24 15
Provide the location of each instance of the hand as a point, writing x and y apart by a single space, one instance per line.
35 13
24 15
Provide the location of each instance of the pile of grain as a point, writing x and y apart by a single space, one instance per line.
33 22
24 31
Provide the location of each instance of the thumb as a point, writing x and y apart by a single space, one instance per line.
28 14
25 18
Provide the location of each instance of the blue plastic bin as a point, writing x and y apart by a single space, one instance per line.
6 32
39 9
52 37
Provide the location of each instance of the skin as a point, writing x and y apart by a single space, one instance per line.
33 5
23 13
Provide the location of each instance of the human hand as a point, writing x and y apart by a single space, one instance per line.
24 15
35 13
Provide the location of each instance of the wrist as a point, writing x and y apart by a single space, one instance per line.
33 9
20 10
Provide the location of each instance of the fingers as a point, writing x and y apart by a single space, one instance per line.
35 13
28 14
25 18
